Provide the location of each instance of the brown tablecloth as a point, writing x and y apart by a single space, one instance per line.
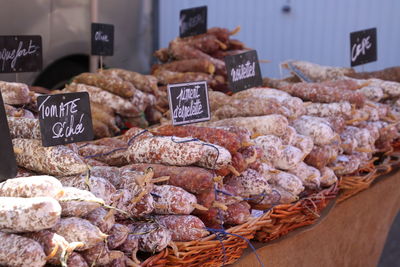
353 233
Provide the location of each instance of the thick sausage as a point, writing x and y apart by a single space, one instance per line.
75 229
24 128
19 251
28 214
32 186
55 160
169 199
183 227
102 218
78 203
192 179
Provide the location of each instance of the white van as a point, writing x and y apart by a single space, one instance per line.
65 29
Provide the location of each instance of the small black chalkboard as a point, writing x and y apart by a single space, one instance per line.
65 118
243 71
102 39
188 102
20 53
8 165
363 47
193 21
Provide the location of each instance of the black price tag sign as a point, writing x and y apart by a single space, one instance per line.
193 21
188 102
243 71
102 39
65 118
8 165
21 53
363 47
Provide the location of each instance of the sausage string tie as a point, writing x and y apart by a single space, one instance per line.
116 149
222 234
135 136
184 141
219 213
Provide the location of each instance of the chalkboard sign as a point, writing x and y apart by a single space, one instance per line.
363 47
243 71
193 21
188 102
20 53
102 39
65 118
8 165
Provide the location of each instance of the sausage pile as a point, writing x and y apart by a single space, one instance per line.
18 100
118 98
110 201
88 213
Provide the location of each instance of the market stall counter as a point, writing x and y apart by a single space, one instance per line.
352 234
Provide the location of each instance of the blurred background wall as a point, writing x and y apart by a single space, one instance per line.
312 30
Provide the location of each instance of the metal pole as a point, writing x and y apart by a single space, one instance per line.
94 60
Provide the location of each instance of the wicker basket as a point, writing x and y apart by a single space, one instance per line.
351 185
214 250
221 249
285 218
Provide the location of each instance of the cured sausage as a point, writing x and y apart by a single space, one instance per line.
170 199
309 175
145 83
319 73
15 93
28 214
17 250
316 92
304 143
55 160
78 203
328 177
289 182
183 227
220 137
319 130
187 65
124 200
289 157
75 229
32 186
120 105
271 145
251 107
320 156
250 183
117 235
100 255
192 179
178 151
108 155
237 213
152 237
328 109
109 83
76 260
261 125
54 245
24 128
99 187
101 218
